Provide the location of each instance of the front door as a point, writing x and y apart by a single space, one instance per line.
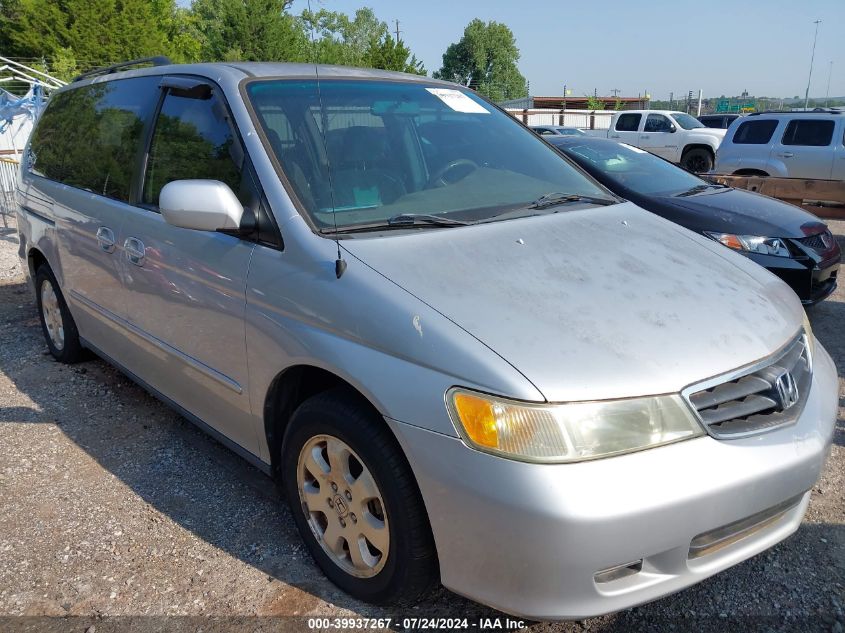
186 289
657 137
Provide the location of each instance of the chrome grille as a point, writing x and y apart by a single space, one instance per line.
760 398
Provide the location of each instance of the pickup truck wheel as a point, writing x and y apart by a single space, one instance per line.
56 321
356 502
697 160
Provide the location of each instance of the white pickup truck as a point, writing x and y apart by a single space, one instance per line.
675 136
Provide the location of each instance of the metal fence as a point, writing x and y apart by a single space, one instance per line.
8 188
584 119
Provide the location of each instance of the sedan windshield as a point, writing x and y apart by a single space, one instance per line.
633 167
361 152
686 121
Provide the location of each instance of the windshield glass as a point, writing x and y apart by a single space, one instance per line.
360 152
633 167
686 121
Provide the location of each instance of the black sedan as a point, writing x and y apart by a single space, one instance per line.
791 243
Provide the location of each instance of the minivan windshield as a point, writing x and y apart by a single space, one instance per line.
362 152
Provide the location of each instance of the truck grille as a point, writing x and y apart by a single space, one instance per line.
760 398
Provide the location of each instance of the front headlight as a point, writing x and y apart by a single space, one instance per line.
808 333
752 243
569 432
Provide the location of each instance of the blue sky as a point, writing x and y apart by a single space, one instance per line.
720 46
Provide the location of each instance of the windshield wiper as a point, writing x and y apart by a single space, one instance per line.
401 221
699 189
555 198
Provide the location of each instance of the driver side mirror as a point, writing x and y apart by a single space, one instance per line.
201 205
672 128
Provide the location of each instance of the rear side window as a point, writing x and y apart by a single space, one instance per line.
628 122
755 132
89 137
810 132
192 139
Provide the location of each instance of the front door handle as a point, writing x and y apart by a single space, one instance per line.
786 154
135 251
105 239
644 136
613 136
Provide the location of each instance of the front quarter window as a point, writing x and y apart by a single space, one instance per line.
360 152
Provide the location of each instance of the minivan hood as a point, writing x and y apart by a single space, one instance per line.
594 303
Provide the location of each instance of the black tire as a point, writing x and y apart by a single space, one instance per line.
71 351
410 569
697 160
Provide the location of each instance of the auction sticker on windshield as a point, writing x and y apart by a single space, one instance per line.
458 101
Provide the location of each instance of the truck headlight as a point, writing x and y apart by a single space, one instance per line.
569 432
752 243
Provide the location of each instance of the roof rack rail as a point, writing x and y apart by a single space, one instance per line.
160 60
833 110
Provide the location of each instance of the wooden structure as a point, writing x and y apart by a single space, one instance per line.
797 191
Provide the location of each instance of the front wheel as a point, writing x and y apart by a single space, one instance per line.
355 501
697 160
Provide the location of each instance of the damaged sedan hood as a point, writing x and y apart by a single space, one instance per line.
594 303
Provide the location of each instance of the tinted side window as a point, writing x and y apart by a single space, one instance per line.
192 139
628 122
656 123
89 137
755 132
808 132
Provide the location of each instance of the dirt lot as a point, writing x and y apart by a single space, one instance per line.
112 505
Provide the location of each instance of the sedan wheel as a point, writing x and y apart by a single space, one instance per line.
52 315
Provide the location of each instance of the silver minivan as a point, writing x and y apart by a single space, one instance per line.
464 359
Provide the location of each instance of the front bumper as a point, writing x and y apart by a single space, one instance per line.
811 281
528 539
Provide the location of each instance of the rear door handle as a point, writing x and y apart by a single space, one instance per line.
135 251
786 154
105 239
613 136
644 136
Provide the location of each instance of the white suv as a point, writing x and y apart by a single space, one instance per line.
786 144
675 136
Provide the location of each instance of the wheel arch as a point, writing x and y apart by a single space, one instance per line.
692 146
34 259
290 388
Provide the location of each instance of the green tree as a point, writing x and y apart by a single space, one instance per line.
594 103
248 30
485 59
391 54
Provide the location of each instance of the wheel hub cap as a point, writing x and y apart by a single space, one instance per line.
52 315
343 505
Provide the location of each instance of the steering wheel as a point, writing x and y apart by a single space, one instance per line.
439 178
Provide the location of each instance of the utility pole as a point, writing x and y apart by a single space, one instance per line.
397 30
812 57
615 91
699 102
827 94
671 101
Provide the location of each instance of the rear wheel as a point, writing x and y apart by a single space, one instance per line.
56 321
355 501
697 160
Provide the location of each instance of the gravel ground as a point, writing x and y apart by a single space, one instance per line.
118 511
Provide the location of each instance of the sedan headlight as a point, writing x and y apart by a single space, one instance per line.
752 243
569 432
